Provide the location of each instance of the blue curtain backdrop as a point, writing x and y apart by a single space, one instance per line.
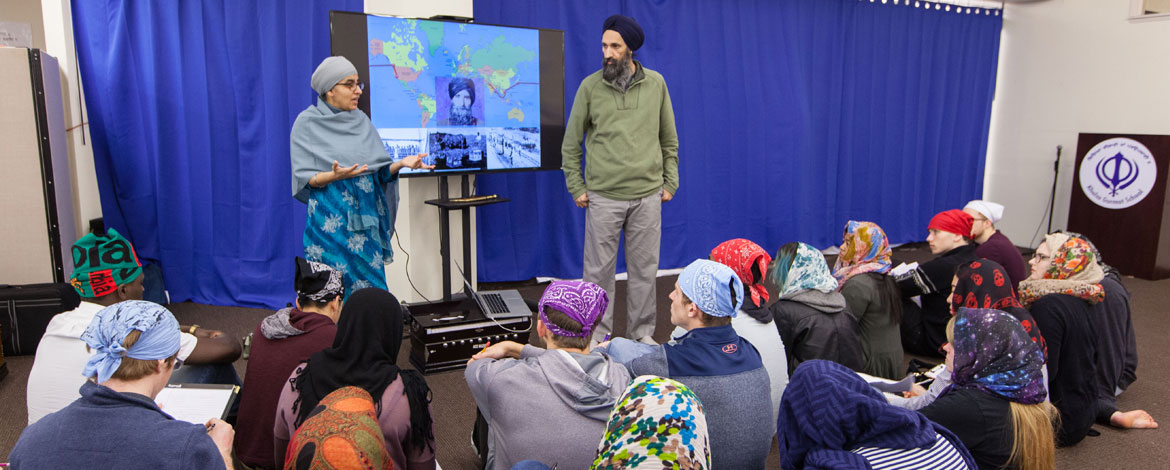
793 116
190 106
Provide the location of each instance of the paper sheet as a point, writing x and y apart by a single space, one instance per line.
195 404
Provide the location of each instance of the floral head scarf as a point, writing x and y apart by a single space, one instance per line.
994 354
806 269
342 431
864 249
657 423
741 255
1074 272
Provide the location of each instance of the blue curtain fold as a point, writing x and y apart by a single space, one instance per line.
190 106
793 116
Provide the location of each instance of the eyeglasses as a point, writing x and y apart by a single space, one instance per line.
352 85
1041 258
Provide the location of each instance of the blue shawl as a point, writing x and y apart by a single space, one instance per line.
322 134
828 410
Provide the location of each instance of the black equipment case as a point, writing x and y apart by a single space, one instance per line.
444 335
25 311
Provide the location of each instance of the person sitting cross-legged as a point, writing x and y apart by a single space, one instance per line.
116 423
549 404
724 370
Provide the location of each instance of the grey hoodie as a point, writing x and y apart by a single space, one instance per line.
549 405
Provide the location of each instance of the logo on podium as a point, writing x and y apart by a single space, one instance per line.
1118 173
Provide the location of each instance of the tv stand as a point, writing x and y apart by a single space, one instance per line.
463 203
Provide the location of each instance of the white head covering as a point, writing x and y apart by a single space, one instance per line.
331 71
990 210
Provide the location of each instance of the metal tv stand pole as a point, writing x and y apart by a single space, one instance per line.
463 203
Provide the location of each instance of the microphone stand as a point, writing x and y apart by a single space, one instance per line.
1055 178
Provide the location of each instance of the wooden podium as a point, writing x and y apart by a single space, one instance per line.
1120 201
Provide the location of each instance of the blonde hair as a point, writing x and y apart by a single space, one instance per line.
1033 429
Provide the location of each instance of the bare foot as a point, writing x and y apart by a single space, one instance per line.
1136 419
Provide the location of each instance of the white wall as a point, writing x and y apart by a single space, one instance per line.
1067 67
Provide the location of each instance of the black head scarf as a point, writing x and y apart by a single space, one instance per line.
363 354
628 28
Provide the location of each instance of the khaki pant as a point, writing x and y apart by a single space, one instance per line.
605 219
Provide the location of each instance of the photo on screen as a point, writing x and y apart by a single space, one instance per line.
475 97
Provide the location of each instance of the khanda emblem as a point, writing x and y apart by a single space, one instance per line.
1116 173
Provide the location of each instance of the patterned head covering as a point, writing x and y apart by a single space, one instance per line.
954 221
317 281
330 72
713 287
657 423
806 269
864 249
627 27
341 432
102 263
741 255
1074 271
159 338
583 301
983 284
994 354
828 410
991 211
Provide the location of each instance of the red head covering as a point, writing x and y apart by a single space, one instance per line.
740 255
954 221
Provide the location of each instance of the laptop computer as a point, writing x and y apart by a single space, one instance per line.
498 303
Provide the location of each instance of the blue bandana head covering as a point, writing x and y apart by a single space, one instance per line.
804 270
159 339
713 287
994 354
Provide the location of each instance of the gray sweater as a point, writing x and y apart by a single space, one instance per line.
738 409
550 406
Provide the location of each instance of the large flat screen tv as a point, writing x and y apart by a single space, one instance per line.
476 98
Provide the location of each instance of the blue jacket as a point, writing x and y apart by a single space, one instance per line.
105 429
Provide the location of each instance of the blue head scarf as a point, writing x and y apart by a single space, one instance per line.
713 287
803 270
828 410
159 339
323 134
994 354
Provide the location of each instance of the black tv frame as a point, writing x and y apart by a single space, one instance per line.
349 38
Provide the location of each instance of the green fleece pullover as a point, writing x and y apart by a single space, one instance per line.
630 138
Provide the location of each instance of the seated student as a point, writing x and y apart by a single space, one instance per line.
996 401
922 326
811 315
281 342
722 368
116 423
1060 293
106 271
993 244
753 321
979 284
342 429
872 296
550 404
658 423
364 352
831 418
1116 345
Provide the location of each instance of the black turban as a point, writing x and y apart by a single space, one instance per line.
458 84
628 28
